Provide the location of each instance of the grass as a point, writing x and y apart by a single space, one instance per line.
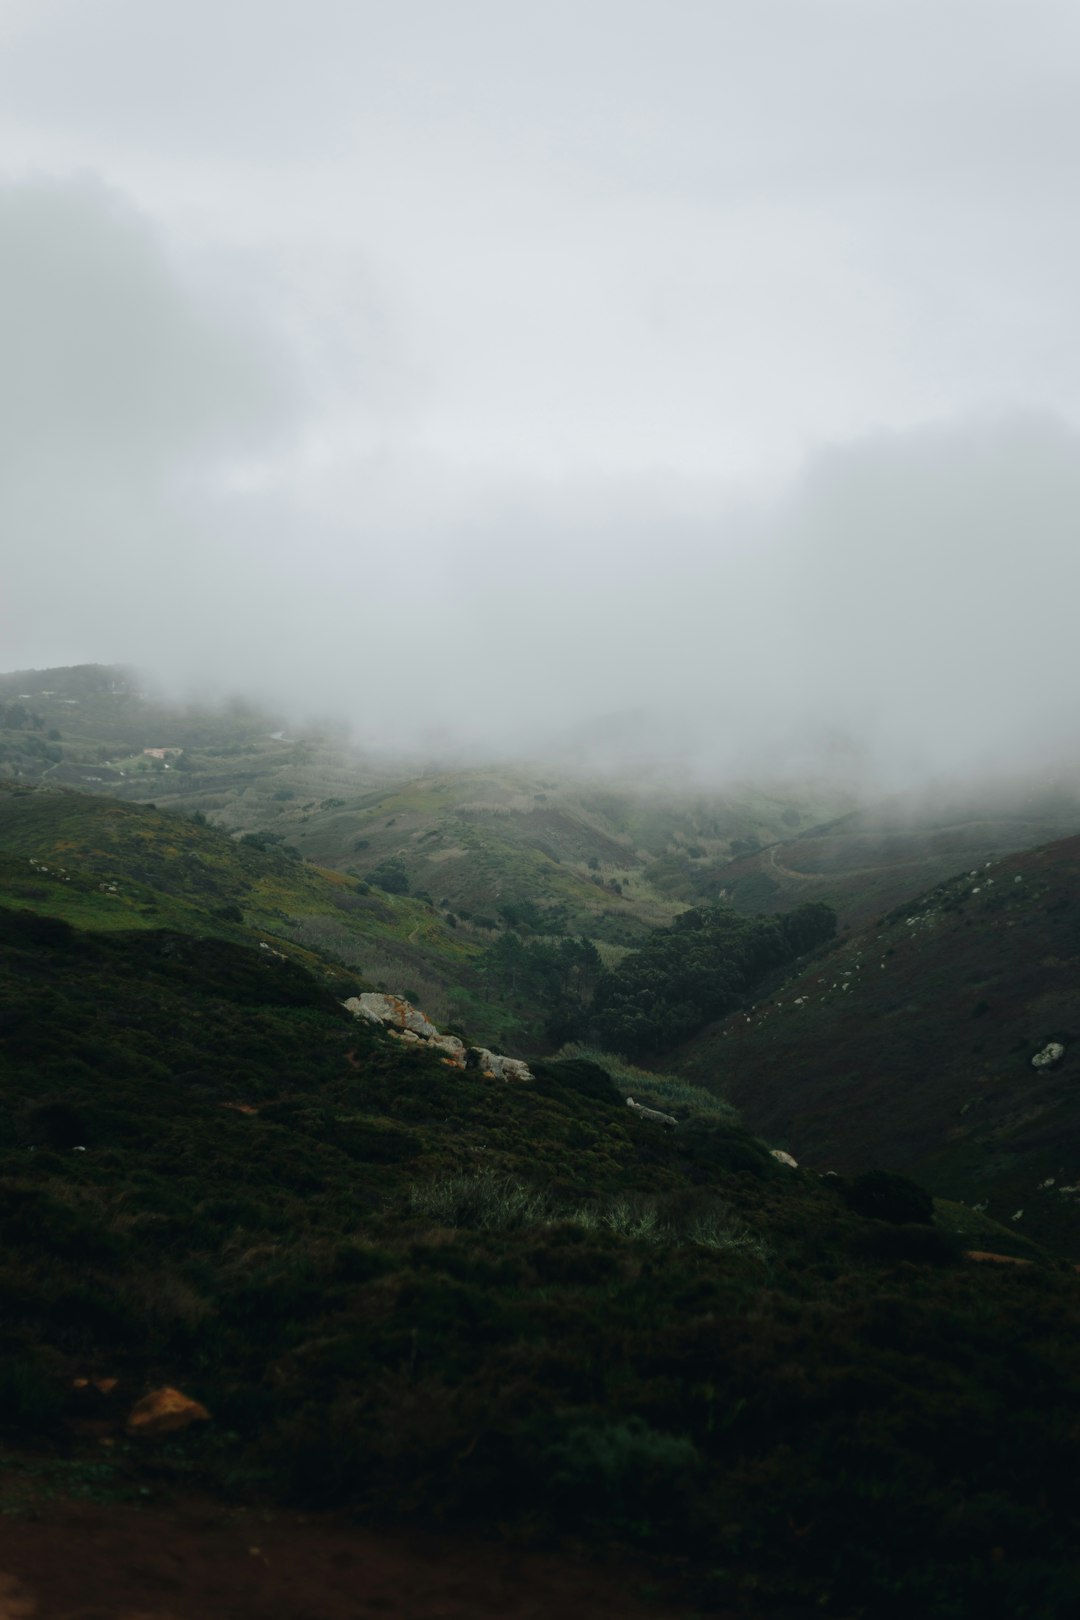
666 1092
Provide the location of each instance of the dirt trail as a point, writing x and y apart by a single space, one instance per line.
199 1560
789 872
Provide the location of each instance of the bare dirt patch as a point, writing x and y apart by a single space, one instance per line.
197 1559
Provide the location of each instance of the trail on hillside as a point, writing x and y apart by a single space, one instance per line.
789 872
199 1559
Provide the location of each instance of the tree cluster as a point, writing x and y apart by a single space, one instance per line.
697 970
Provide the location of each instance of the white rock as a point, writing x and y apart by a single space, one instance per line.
650 1113
1051 1053
785 1158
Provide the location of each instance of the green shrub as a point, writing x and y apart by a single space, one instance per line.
29 1400
626 1475
484 1202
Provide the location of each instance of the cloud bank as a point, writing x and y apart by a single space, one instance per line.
685 380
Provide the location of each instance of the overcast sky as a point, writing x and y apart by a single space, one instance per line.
503 372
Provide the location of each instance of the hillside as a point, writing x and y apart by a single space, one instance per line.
521 1309
111 866
911 1045
874 857
559 851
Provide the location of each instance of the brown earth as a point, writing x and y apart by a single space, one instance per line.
199 1560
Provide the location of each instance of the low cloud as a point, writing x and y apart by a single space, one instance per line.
182 491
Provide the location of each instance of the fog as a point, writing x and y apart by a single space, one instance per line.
687 382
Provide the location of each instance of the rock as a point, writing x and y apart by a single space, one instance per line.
407 1023
448 1043
380 1009
356 1007
162 1412
650 1113
784 1158
495 1065
1052 1053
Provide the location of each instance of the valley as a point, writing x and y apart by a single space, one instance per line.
403 1287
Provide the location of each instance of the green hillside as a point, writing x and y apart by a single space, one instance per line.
441 1298
526 1310
911 1045
563 853
875 857
109 866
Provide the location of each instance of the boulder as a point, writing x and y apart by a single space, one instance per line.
650 1113
399 1018
380 1009
784 1158
1052 1053
164 1411
495 1065
448 1043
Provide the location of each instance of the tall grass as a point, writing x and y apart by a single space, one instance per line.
667 1092
487 1201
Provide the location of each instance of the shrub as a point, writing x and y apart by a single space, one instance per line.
28 1399
627 1475
483 1202
881 1195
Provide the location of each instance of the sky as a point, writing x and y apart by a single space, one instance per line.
700 377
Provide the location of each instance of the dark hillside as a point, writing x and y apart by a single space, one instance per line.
911 1046
446 1299
874 858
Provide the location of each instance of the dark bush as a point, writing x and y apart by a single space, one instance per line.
881 1195
29 1400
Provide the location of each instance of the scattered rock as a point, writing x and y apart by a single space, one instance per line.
162 1412
407 1023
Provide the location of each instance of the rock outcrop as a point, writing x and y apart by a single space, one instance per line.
407 1023
495 1066
650 1113
394 1010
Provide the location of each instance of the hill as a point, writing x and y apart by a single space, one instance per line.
523 1310
874 857
444 1299
559 851
913 1045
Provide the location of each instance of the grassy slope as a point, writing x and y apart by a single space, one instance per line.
474 839
872 859
913 1046
440 1297
169 872
721 1364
